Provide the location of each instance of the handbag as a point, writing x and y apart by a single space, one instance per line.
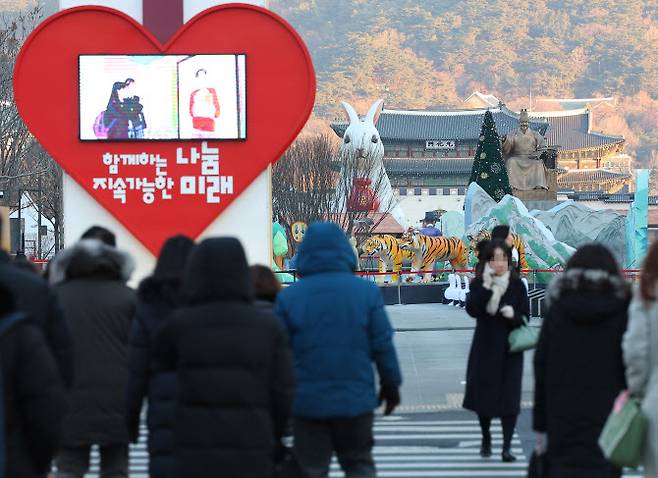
538 466
523 338
622 438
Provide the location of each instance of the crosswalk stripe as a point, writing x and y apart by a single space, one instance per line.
406 448
460 459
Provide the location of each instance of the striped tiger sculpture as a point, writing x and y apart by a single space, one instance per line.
485 235
390 254
428 250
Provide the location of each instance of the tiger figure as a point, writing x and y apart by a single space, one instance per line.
518 244
428 250
390 254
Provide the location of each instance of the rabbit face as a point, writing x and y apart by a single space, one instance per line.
361 138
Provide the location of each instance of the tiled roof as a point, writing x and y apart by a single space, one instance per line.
414 166
577 140
574 103
570 130
489 99
608 198
576 176
385 223
586 195
567 129
450 124
628 197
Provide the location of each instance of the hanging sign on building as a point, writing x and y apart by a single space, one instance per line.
439 144
165 136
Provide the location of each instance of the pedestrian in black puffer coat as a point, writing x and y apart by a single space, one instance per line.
498 301
36 300
235 382
579 368
157 297
90 282
33 397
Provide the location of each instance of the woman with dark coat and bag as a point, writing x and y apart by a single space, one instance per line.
499 302
234 369
579 368
157 298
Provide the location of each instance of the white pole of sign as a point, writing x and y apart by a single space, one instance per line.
248 218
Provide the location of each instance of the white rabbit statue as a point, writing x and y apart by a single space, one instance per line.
362 145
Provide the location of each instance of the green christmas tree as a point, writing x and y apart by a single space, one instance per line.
488 166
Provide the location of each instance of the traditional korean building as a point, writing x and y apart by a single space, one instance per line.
587 160
430 153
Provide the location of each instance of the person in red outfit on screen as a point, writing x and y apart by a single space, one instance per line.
204 105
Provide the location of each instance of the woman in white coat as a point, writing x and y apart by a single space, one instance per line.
641 354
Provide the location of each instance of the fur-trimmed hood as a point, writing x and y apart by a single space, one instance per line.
90 258
589 294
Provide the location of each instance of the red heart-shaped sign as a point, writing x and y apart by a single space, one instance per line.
175 194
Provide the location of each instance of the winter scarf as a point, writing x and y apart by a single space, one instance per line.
498 287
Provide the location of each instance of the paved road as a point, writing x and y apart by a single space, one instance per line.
433 341
430 436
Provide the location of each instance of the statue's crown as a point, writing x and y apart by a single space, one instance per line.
524 115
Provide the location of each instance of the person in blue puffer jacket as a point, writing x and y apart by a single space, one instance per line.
337 327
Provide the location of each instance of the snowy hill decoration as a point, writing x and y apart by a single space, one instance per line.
576 224
542 249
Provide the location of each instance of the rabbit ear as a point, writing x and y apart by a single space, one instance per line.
351 113
374 111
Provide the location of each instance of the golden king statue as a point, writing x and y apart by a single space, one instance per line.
521 149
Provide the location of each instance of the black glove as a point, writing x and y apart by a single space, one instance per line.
390 395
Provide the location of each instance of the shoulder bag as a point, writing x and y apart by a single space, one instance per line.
622 438
523 338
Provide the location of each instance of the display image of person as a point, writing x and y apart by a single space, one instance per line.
521 150
204 104
124 116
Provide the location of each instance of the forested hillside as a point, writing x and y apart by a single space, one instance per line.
423 54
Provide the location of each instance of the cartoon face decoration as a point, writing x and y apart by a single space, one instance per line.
298 231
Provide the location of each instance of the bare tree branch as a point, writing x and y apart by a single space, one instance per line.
23 175
314 182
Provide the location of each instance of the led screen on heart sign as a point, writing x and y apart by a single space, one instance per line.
162 97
